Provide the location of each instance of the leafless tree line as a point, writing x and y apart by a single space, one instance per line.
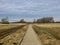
41 20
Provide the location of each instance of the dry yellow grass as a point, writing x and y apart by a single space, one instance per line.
8 26
53 28
15 37
49 34
51 25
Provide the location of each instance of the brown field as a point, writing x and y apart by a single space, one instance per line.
8 26
13 38
49 25
49 34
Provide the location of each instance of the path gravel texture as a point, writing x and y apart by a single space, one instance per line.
31 37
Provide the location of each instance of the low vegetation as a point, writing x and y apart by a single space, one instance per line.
49 34
54 29
6 27
14 38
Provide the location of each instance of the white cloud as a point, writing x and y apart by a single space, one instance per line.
33 7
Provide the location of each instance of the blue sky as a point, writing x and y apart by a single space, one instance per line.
29 9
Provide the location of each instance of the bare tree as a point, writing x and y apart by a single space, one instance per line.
22 21
5 20
46 20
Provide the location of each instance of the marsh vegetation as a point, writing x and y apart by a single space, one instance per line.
49 34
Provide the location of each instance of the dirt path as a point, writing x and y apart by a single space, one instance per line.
31 37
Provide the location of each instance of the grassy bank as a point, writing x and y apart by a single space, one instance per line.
47 35
14 38
54 29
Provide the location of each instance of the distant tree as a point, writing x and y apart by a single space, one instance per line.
5 20
46 20
22 21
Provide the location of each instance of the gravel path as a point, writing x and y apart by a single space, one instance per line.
31 37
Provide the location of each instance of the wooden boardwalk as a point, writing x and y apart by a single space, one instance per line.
31 37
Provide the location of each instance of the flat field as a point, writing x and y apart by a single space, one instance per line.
8 26
49 33
11 34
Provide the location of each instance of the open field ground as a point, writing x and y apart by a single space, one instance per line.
49 34
12 34
8 26
8 29
50 25
16 34
14 38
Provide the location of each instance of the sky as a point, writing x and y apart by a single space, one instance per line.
29 9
